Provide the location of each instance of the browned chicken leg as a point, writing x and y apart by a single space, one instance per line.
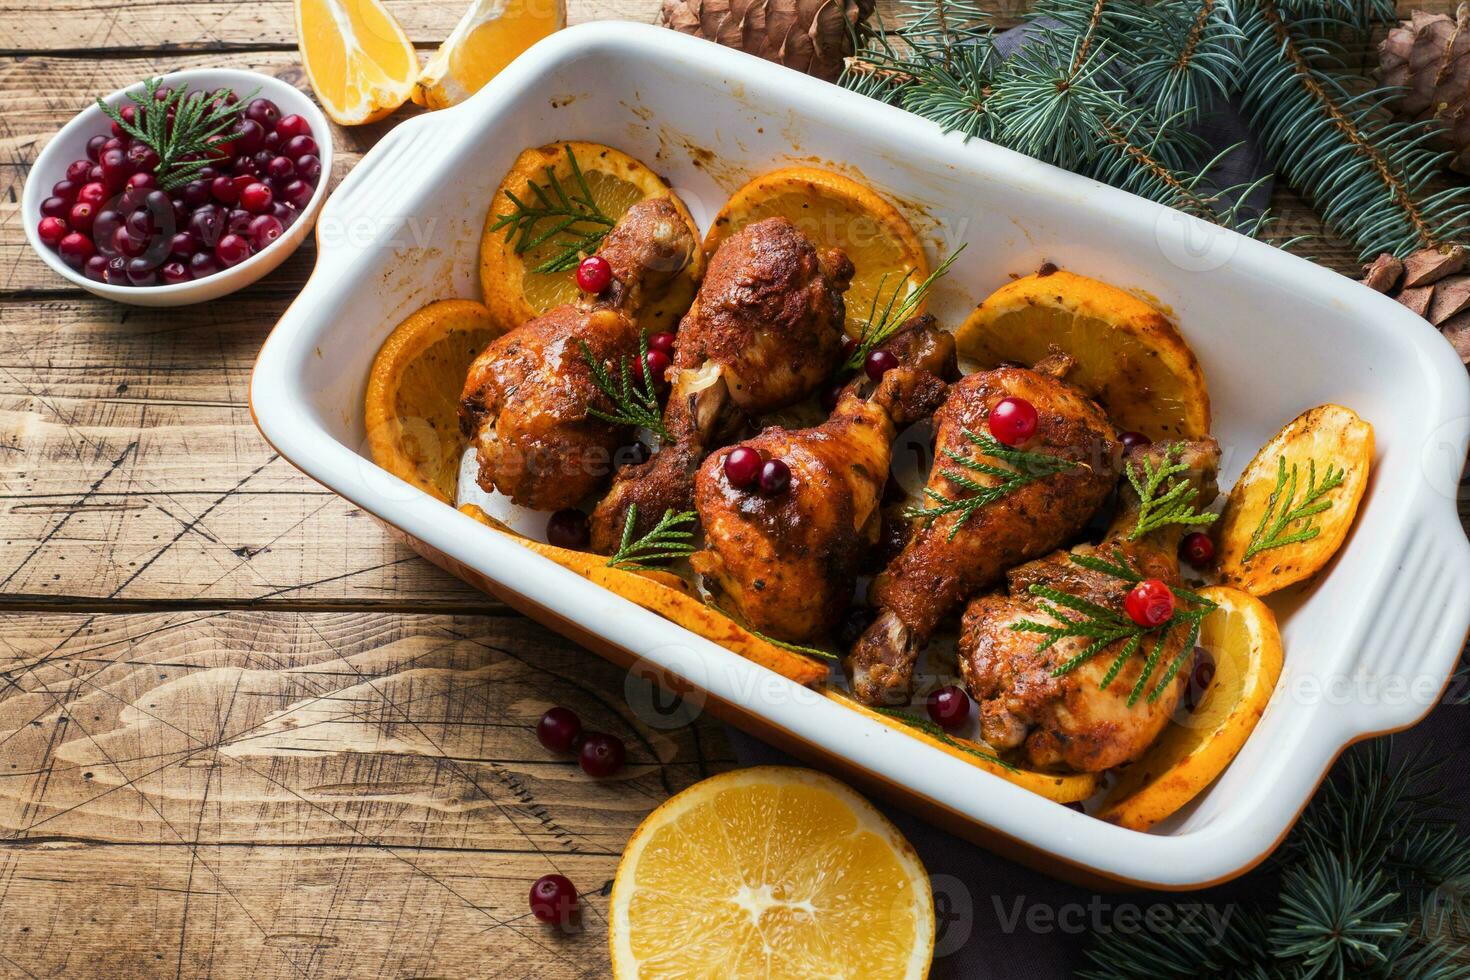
765 331
788 564
526 399
1072 721
952 557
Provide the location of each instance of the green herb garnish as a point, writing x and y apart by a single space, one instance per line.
635 403
1175 505
879 326
929 728
186 145
793 647
571 221
1272 531
1027 467
1104 627
670 538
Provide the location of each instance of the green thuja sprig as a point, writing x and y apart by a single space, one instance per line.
672 537
188 142
1165 496
897 309
635 402
571 220
1283 511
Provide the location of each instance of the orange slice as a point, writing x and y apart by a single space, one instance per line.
835 212
1242 637
358 59
1129 356
490 36
411 409
770 872
515 273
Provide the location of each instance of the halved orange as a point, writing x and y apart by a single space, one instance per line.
411 409
1129 356
1242 637
360 63
770 872
519 269
835 212
490 36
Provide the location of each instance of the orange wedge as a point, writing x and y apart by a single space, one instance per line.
358 59
490 36
411 409
1242 637
836 212
770 872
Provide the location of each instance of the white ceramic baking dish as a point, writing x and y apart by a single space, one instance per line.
1369 647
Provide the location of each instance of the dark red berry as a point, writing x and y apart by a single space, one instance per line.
830 396
949 707
66 190
117 270
77 171
283 213
55 207
142 157
1150 603
92 193
299 146
174 272
256 198
309 167
196 193
601 755
82 216
554 899
142 272
237 222
568 528
224 190
1200 679
115 167
246 165
654 365
292 126
96 268
104 226
662 341
249 136
297 193
264 229
232 250
1013 421
124 243
280 168
879 363
775 478
94 147
183 245
1197 548
558 729
742 467
1134 440
51 230
264 112
594 274
203 264
140 224
207 224
849 347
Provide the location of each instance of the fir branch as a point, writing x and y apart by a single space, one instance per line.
934 731
1272 531
1174 505
635 403
188 143
575 224
670 538
879 326
1189 56
1024 468
1329 917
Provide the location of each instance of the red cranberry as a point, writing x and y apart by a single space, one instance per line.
830 396
82 216
775 478
654 365
879 363
558 729
594 274
183 245
196 193
1150 603
264 229
77 171
66 190
849 348
601 755
96 176
144 182
142 272
96 268
1200 679
94 147
129 114
292 126
1134 440
75 249
206 174
283 213
309 167
662 341
140 225
113 143
242 181
207 224
142 157
203 264
742 467
124 243
1197 548
249 135
949 707
51 230
55 207
1013 421
262 161
92 193
223 189
568 528
232 250
298 193
256 198
264 113
273 139
175 272
104 226
299 146
115 168
280 168
554 899
117 270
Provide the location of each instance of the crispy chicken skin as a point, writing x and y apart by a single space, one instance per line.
526 398
788 564
765 331
1071 722
935 572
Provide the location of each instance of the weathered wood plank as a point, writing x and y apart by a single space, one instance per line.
373 730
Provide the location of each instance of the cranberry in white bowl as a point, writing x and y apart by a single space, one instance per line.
193 227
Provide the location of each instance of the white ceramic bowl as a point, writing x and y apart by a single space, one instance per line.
1369 645
71 144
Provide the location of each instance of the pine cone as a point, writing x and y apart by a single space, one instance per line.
1429 55
1434 284
814 36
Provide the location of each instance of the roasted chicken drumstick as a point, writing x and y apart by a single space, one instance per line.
526 399
950 558
765 331
1071 721
788 564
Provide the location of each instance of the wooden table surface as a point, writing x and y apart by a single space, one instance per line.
241 731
